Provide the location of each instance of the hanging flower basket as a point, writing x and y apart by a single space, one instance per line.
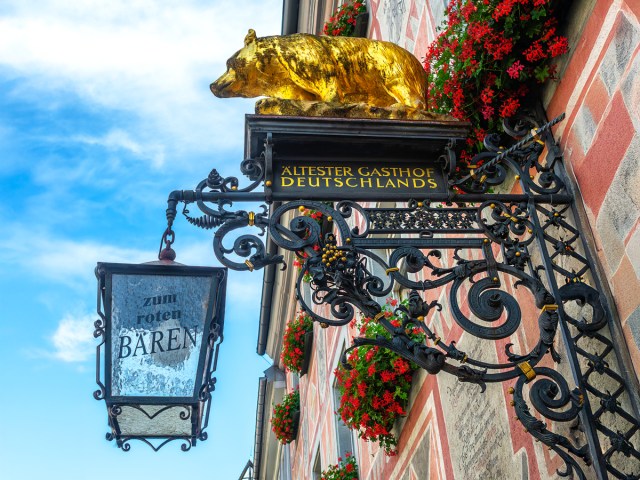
346 469
349 20
297 344
488 56
286 418
308 347
374 393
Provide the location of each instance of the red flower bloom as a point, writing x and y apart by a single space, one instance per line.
514 70
503 9
346 469
484 54
373 392
293 342
344 19
509 107
487 95
282 417
535 53
558 46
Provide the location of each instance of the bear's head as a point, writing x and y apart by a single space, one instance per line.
242 78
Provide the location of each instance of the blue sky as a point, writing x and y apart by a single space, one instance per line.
105 109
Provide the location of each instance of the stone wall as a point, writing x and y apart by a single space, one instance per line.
452 431
600 93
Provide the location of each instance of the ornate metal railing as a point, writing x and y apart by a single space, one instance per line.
480 241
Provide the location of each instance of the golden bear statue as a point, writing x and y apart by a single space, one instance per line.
327 76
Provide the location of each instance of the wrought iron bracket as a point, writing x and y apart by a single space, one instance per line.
480 238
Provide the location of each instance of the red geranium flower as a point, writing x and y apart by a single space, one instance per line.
486 52
293 342
380 380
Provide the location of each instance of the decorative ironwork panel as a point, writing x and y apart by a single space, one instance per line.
484 243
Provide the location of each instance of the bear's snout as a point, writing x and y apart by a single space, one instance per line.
220 88
217 88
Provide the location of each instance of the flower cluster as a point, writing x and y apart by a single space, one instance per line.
293 342
488 55
346 469
282 419
374 392
343 20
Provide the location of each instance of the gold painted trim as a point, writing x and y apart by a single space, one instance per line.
527 370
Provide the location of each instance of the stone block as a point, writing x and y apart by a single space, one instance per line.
633 250
627 178
631 329
438 10
625 288
618 55
621 206
584 127
630 89
612 243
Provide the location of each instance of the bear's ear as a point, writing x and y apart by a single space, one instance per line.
250 38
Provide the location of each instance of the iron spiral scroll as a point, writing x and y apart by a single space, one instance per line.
486 250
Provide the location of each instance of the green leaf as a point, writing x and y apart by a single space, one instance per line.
538 13
541 73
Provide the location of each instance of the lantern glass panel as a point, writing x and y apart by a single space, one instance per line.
156 420
157 325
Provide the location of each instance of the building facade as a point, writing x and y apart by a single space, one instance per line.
451 430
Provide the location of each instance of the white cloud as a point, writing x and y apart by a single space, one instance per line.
153 59
117 139
73 340
65 261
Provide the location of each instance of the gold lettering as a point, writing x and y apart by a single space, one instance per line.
390 184
364 171
321 171
301 181
362 181
404 183
317 182
287 181
432 183
312 171
429 172
375 171
385 171
326 181
347 172
418 172
286 170
338 182
404 172
418 183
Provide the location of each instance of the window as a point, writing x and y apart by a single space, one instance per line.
285 464
317 466
344 436
320 17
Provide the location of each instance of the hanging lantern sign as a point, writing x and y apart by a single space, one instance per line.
161 324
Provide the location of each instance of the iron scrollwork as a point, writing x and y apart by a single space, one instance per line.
501 243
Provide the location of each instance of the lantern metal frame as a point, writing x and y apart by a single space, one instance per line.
195 407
